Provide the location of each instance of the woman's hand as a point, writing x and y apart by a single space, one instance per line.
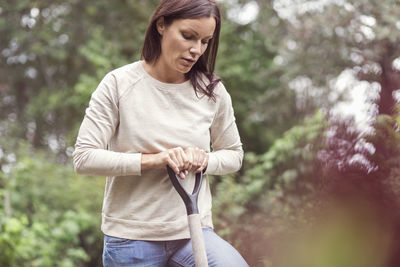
180 160
197 158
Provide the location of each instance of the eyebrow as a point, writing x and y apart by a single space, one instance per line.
197 34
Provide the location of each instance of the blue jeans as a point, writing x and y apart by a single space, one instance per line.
119 252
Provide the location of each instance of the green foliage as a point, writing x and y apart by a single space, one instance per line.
52 215
42 243
264 108
52 50
386 140
386 157
272 194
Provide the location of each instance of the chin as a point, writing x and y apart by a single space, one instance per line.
184 70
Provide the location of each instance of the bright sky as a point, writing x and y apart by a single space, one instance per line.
243 14
360 94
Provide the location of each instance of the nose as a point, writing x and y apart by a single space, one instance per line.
196 48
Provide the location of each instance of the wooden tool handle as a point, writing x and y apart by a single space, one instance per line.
196 234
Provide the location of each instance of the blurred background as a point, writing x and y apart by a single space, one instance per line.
315 88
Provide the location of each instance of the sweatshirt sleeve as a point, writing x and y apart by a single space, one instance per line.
101 120
227 152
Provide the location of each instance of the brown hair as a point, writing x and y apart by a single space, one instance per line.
187 9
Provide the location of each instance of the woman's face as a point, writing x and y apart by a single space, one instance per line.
184 41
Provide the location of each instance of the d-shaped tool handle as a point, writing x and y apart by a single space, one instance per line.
190 200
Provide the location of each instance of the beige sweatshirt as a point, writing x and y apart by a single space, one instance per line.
131 113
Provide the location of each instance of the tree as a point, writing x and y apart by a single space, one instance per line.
361 36
48 49
264 105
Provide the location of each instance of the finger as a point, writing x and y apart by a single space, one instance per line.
201 159
173 165
172 162
204 163
192 158
175 160
195 158
189 154
185 158
178 155
198 160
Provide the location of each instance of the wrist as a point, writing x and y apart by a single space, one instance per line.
147 161
151 161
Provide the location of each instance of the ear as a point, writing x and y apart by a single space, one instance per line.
160 25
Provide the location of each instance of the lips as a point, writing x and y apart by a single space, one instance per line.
189 60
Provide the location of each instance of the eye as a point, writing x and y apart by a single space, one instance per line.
187 37
205 42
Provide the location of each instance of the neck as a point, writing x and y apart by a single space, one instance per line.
163 73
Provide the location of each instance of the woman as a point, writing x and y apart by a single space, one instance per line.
162 110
